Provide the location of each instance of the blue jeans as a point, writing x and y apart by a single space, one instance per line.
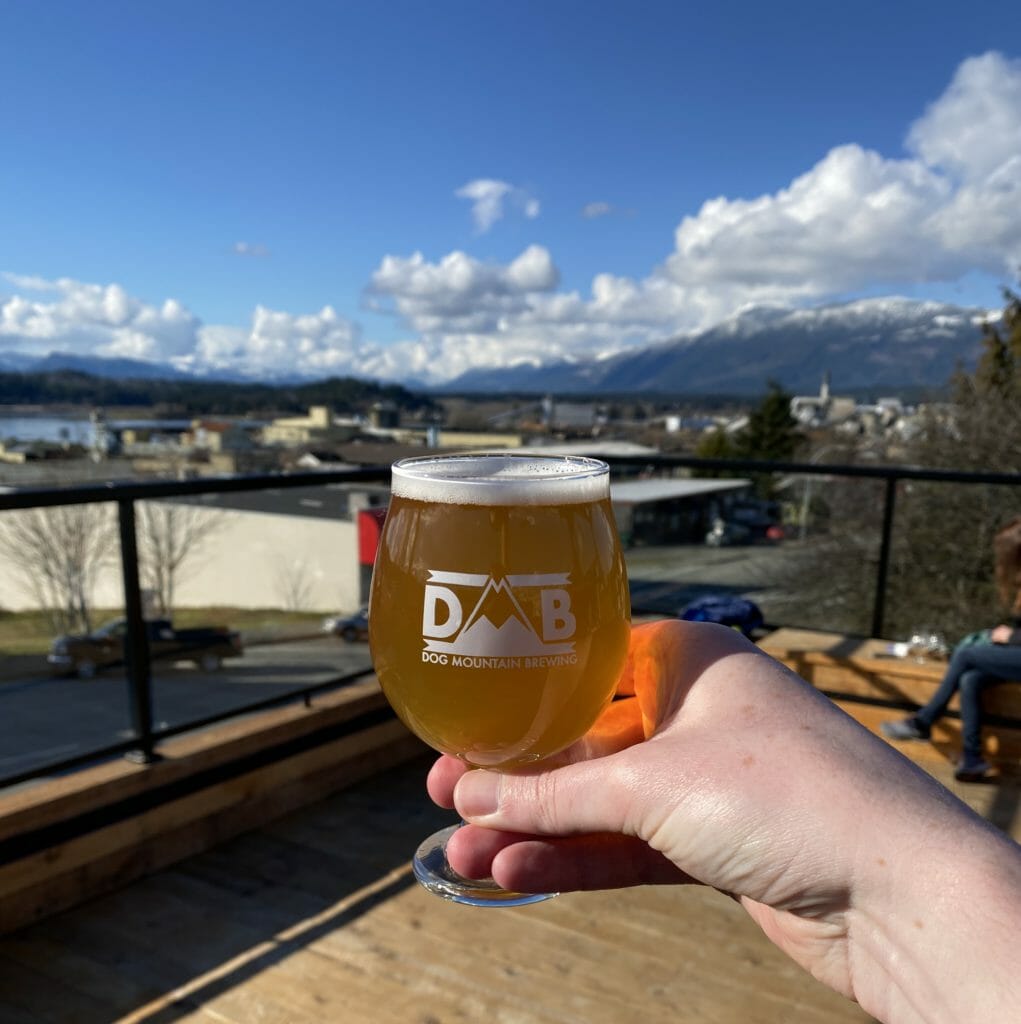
971 670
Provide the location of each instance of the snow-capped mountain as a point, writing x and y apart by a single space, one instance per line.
867 343
118 368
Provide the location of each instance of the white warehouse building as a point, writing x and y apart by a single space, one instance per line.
291 548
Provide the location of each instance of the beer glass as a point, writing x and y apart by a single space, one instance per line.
499 616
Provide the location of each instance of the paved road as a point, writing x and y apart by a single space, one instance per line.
664 580
48 719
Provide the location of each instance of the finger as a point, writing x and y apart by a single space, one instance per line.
656 657
442 779
646 685
581 798
619 726
524 863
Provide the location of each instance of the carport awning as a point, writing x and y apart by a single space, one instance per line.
641 492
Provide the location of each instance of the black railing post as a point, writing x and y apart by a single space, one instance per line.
136 642
879 604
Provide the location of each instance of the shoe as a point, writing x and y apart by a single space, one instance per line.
905 729
972 769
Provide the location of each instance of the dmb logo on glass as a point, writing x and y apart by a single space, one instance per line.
472 620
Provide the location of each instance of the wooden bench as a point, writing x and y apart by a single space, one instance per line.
872 685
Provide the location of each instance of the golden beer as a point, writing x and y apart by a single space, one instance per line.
499 613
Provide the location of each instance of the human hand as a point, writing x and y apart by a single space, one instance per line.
1001 634
747 780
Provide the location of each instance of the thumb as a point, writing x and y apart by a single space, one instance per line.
575 799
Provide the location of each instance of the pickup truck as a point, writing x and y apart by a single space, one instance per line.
85 654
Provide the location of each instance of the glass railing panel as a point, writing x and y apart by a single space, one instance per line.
805 549
942 573
264 598
62 691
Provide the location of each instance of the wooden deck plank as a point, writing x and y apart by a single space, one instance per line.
316 918
40 995
612 976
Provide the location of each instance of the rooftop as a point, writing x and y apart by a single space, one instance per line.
634 492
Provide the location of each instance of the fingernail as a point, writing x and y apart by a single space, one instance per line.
477 794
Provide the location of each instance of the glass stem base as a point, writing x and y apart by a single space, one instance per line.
433 871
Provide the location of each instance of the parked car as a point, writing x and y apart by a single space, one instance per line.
85 654
724 533
750 521
349 627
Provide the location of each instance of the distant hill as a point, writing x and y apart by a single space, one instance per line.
118 368
868 344
182 395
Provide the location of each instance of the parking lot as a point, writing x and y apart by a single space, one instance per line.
48 718
664 579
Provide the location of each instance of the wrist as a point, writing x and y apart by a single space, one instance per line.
933 938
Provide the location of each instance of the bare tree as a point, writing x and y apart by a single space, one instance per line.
60 552
170 535
293 583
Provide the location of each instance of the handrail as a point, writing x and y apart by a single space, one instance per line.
142 745
143 490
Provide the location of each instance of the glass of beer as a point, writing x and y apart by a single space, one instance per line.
499 616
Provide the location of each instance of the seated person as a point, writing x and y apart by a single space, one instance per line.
973 668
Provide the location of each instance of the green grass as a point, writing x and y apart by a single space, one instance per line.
30 632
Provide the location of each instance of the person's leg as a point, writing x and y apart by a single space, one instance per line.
973 684
971 687
932 711
997 662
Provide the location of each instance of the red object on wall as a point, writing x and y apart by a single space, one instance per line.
370 526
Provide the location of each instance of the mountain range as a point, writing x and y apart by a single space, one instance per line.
867 344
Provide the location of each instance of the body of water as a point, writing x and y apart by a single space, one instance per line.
75 429
57 429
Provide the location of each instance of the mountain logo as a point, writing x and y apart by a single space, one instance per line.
473 614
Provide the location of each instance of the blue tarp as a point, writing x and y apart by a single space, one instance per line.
726 609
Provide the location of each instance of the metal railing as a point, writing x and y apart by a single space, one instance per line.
145 737
891 476
141 745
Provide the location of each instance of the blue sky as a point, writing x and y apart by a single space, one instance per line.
378 188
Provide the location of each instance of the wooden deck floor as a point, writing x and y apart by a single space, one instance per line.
316 918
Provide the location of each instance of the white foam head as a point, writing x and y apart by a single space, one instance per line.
501 478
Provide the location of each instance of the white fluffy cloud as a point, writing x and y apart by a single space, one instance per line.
490 198
857 220
320 343
89 319
72 316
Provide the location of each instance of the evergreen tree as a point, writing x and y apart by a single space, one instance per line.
772 432
998 373
716 444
